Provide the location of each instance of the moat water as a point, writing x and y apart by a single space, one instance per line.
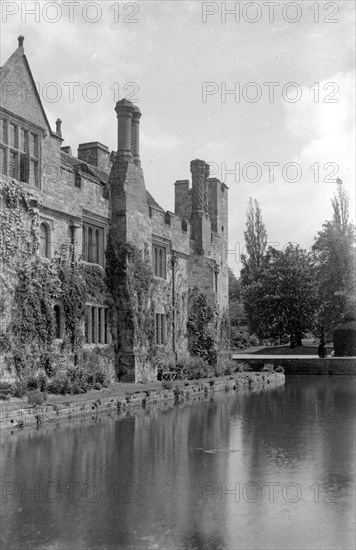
262 470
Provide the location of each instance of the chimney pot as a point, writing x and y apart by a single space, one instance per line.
59 127
20 40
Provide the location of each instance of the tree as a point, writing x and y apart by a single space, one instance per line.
253 263
334 258
283 299
234 287
236 311
256 244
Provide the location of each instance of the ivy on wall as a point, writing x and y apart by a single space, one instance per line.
19 221
129 279
40 284
202 325
31 286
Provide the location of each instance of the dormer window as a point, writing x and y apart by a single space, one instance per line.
19 152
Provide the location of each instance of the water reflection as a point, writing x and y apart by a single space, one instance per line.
271 469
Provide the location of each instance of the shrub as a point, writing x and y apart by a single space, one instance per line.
32 383
225 365
4 396
243 367
240 338
42 382
254 340
19 388
177 392
279 369
267 368
38 382
59 384
79 379
35 397
49 366
6 388
193 368
167 385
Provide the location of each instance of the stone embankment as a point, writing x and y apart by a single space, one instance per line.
301 364
19 414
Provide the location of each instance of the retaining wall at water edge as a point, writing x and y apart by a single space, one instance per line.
301 364
19 414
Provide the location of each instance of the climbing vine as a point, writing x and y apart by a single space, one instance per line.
129 279
19 221
73 297
39 285
202 325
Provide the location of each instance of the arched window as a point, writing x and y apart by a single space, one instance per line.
57 321
44 240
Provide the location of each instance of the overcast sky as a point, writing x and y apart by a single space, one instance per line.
180 57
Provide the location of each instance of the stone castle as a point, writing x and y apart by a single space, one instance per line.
93 211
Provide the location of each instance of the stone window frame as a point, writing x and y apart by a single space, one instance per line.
48 229
59 324
93 241
160 329
97 325
159 259
24 154
216 272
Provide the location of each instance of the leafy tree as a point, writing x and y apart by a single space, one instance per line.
334 258
234 287
283 299
253 263
235 305
256 244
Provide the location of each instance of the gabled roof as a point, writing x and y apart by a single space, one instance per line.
100 174
86 168
9 66
152 202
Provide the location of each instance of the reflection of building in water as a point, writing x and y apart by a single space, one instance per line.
142 482
178 453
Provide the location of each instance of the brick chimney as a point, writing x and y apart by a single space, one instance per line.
124 110
197 168
96 154
201 226
135 133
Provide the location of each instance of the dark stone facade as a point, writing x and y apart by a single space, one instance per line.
100 196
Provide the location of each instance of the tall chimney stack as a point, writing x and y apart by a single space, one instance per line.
135 133
201 225
124 109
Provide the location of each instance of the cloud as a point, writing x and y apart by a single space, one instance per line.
164 142
326 130
212 147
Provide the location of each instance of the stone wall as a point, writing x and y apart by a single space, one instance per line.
19 415
305 365
108 192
